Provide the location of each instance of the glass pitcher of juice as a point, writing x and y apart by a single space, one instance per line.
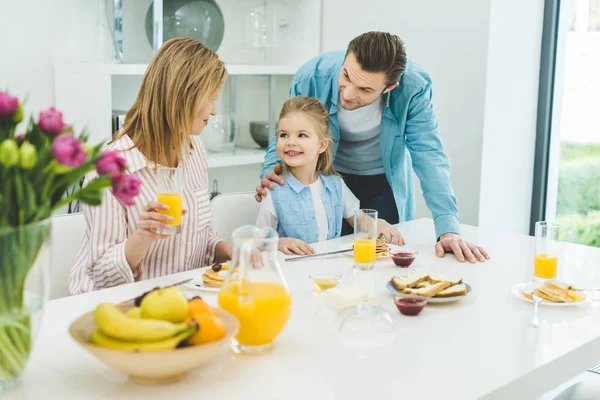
170 193
255 290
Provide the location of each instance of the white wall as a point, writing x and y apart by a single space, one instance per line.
450 40
34 34
510 114
25 54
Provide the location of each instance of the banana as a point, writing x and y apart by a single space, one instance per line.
134 312
114 323
100 339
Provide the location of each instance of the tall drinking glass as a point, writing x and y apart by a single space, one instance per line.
545 262
365 236
170 193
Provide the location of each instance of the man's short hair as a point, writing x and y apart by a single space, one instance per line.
380 52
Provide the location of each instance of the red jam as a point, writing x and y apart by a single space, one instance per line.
410 305
403 258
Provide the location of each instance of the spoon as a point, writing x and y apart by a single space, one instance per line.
535 321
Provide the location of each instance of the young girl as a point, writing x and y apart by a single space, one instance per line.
310 205
122 244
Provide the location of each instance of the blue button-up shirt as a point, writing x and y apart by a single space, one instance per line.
409 135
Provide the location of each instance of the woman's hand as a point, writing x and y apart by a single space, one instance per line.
151 220
291 246
391 234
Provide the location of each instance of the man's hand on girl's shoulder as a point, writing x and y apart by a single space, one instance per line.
268 181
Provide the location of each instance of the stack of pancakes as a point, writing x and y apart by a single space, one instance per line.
212 279
381 249
555 292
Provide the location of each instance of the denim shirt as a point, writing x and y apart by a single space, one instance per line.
409 137
295 209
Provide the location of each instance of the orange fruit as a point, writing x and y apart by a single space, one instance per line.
210 328
198 306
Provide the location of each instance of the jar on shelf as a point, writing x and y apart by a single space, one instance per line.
220 134
267 22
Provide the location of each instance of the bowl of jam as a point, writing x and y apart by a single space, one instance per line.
410 305
404 258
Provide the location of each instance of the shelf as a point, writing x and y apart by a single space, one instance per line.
140 69
239 157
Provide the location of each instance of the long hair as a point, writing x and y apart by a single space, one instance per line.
182 75
314 110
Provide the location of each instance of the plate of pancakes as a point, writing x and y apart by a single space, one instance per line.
211 280
552 293
382 249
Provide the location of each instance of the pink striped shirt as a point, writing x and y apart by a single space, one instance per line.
101 261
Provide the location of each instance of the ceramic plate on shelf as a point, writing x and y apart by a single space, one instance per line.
527 287
432 300
391 247
198 282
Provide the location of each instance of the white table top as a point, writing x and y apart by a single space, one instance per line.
481 347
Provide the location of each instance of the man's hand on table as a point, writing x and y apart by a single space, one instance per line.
269 181
463 250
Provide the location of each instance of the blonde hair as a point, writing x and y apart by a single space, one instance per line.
314 110
182 75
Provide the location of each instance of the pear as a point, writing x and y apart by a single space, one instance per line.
138 300
168 304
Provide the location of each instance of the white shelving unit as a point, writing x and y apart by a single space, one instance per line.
238 157
88 92
84 94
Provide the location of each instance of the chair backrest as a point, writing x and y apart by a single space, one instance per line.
67 232
232 210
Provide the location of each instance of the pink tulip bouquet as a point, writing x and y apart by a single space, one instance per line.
38 167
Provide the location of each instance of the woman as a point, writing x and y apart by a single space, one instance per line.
120 245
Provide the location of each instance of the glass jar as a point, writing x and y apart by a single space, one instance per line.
255 290
267 23
220 134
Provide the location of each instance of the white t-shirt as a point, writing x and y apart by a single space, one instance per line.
267 217
359 150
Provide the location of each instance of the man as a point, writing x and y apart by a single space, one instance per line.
382 120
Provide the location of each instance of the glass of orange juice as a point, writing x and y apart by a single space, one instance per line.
545 261
170 193
365 235
257 296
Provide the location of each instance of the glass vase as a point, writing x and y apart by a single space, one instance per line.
104 43
24 260
220 135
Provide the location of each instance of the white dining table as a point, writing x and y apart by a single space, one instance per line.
481 347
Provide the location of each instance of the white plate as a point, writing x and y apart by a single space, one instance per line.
198 283
391 247
529 286
432 300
